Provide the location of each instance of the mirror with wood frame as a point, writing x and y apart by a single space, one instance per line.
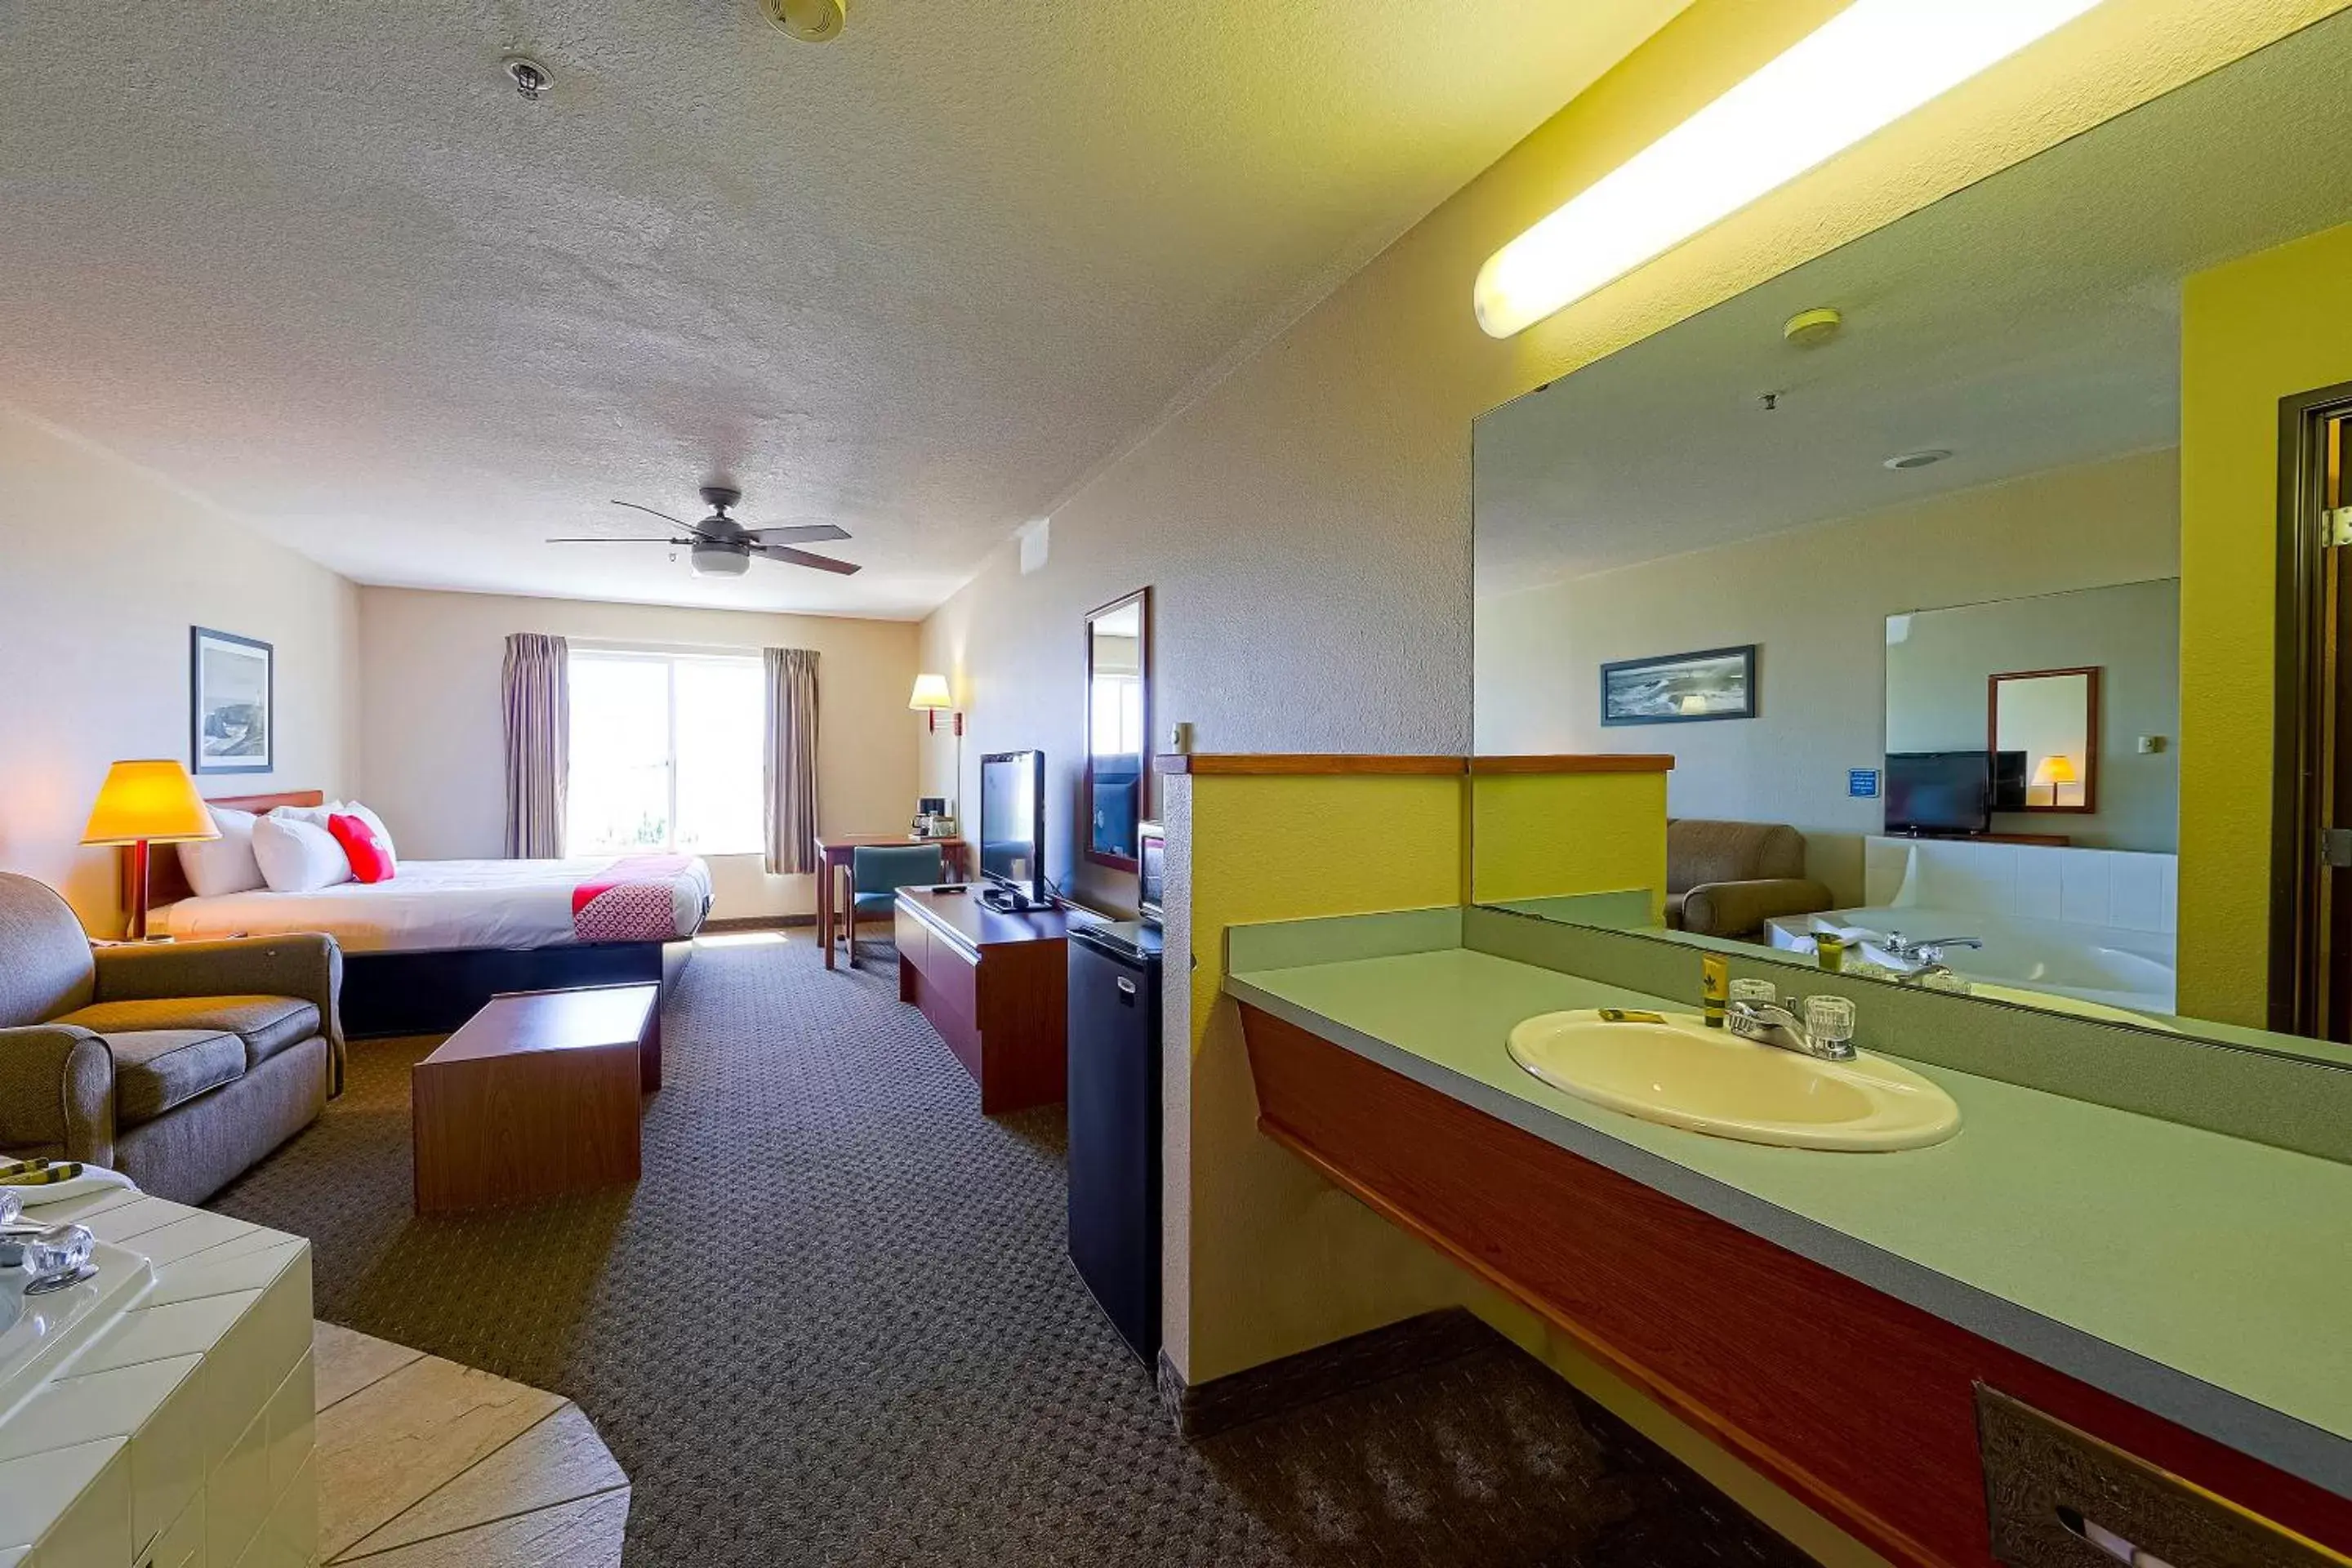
1117 786
2041 728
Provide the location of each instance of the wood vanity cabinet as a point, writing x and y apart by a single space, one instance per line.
1862 1405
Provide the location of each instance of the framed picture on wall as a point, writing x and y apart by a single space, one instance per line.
232 687
1680 688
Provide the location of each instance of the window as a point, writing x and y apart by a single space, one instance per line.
665 753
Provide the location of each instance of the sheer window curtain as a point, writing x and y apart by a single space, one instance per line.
538 744
790 758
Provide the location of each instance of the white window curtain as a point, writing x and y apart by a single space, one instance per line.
538 744
790 758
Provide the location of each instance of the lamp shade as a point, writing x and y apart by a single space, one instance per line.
2055 769
930 695
153 799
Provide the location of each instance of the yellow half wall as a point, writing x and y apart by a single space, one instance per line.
2253 330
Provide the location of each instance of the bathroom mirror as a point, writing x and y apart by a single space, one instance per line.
1118 728
2003 539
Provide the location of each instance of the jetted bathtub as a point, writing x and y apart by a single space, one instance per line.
2044 963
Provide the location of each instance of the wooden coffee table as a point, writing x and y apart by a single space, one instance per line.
538 1094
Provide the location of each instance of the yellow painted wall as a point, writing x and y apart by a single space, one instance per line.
1276 1260
2256 330
1262 1257
1537 836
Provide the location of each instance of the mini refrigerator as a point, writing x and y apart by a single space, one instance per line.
1114 1123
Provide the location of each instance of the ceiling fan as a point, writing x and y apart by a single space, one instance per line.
723 547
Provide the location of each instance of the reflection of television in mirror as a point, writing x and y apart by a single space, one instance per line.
2008 778
1013 828
1938 793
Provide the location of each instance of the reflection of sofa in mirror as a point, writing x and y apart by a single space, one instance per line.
1726 878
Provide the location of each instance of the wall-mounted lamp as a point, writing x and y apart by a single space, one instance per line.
1859 72
932 699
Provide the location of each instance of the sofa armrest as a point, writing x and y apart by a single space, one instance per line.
57 1086
1738 909
305 965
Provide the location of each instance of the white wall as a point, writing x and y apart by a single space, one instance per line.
1816 600
433 758
103 568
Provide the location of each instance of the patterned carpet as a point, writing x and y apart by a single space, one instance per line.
835 1324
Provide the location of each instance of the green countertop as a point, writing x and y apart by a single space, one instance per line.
2201 1276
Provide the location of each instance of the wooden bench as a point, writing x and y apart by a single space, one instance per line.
538 1094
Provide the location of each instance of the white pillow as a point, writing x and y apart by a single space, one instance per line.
316 815
223 864
298 856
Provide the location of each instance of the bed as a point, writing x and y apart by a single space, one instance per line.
424 950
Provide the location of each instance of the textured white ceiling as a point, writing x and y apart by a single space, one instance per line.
321 263
2028 322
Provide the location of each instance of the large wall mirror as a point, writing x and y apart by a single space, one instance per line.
1117 781
1996 505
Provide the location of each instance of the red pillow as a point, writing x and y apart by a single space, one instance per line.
371 861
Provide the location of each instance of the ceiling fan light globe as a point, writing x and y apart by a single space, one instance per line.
720 561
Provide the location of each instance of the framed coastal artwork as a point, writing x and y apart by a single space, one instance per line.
1680 688
232 685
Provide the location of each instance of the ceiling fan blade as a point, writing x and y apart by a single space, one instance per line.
803 558
664 516
799 534
610 539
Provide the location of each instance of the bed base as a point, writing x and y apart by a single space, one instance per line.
432 992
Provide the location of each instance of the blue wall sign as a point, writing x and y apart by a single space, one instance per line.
1862 782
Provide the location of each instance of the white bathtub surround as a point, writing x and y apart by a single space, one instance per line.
172 1419
2094 925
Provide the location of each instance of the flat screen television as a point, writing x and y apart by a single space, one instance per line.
1939 792
1013 825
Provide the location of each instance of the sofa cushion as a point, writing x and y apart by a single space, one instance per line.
155 1070
267 1025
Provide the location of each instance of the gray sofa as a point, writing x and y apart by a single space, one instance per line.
178 1064
1726 878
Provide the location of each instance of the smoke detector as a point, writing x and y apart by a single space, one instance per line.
810 21
1811 329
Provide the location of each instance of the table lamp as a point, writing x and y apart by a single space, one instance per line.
2054 770
142 802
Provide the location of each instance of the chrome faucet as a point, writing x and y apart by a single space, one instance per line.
1769 1024
1915 959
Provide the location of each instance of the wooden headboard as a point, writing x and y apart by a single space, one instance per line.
166 883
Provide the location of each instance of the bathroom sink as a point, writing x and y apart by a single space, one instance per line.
1684 1074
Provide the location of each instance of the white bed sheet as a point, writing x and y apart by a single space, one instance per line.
430 904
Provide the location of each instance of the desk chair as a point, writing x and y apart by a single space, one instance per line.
876 875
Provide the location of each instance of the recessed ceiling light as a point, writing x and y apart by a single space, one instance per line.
1918 459
1859 72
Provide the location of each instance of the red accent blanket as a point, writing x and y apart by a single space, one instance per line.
633 900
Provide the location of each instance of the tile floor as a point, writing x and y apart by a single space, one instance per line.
423 1463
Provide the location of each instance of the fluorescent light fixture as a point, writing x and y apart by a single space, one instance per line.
1866 68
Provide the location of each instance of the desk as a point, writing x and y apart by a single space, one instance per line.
832 852
995 987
